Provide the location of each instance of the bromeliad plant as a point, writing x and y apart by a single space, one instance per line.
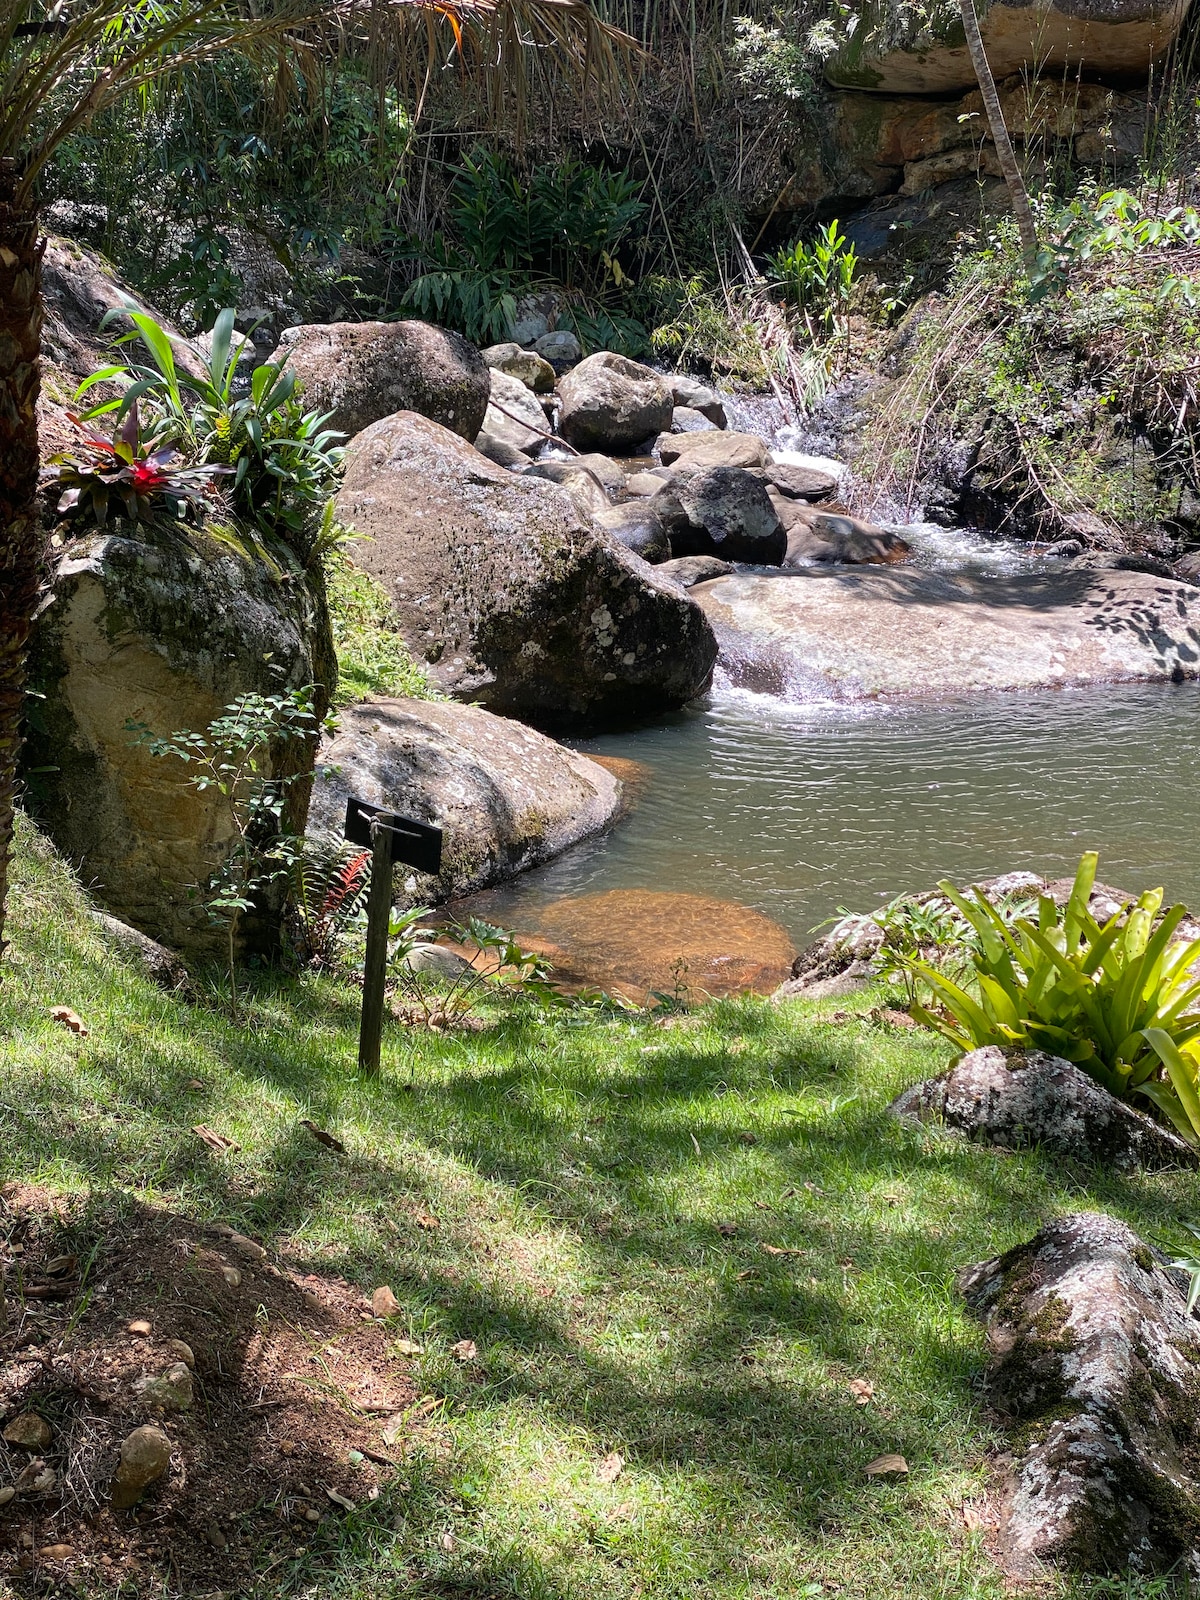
1119 1000
128 476
283 459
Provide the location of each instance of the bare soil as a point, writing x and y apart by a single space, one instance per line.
296 1394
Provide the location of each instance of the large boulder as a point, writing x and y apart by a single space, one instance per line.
612 403
514 414
896 631
637 525
814 535
1025 1099
534 371
362 371
164 629
509 595
506 797
1094 1368
725 513
911 51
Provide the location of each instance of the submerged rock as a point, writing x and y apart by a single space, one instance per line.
612 403
1028 1099
510 596
362 371
1094 1368
506 797
905 631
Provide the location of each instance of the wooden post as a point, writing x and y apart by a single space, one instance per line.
379 914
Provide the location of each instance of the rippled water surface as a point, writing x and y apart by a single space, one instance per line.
797 810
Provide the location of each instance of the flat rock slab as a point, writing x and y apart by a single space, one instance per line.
1022 1099
507 797
1094 1368
874 632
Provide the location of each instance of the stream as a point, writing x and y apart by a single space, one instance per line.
754 819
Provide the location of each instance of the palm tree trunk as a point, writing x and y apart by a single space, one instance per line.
21 542
1004 150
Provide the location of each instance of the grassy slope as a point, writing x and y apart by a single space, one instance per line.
579 1174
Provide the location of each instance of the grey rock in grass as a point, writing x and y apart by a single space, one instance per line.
506 798
512 597
1026 1099
362 371
725 512
1094 1369
611 403
160 965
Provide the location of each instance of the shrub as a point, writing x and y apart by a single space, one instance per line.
1117 1000
130 476
817 278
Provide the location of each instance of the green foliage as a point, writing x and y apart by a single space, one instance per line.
491 959
696 327
817 278
163 187
1117 1000
328 883
1190 1263
506 234
240 757
282 459
373 660
131 476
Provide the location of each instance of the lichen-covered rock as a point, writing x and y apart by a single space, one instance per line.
362 371
903 50
167 1391
612 403
1024 1099
1094 1367
725 512
534 371
506 797
164 628
510 596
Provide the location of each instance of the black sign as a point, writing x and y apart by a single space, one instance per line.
414 843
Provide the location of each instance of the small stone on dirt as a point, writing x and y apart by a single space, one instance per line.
140 1329
246 1247
216 1538
169 1391
182 1352
145 1456
29 1431
56 1552
384 1302
232 1276
7 1493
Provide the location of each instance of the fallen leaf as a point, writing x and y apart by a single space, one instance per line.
727 1229
339 1499
215 1141
194 1085
747 1138
393 1428
972 1517
61 1265
747 1273
883 1465
69 1019
424 1219
780 1250
862 1390
894 1018
611 1468
319 1134
465 1350
696 1144
812 1189
449 1542
761 1205
384 1302
409 1347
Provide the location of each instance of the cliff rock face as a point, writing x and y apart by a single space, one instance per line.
512 598
163 628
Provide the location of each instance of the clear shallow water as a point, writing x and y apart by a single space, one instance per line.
797 810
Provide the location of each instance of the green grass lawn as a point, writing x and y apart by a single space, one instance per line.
608 1192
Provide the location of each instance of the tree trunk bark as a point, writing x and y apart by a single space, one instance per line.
21 541
1004 150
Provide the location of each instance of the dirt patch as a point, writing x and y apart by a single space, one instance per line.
298 1414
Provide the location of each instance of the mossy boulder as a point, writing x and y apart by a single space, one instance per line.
1094 1369
163 627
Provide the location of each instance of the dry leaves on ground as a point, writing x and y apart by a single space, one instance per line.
214 1140
319 1134
883 1466
464 1350
408 1347
781 1250
425 1219
69 1019
611 1468
862 1390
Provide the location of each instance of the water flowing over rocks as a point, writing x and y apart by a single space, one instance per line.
506 797
614 404
829 536
165 628
1028 1099
897 632
362 371
511 597
1093 1367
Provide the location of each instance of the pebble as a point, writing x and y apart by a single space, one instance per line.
145 1456
384 1302
216 1538
140 1329
171 1390
182 1352
232 1277
7 1493
246 1247
56 1552
29 1431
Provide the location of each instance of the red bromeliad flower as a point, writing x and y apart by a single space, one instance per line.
147 477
